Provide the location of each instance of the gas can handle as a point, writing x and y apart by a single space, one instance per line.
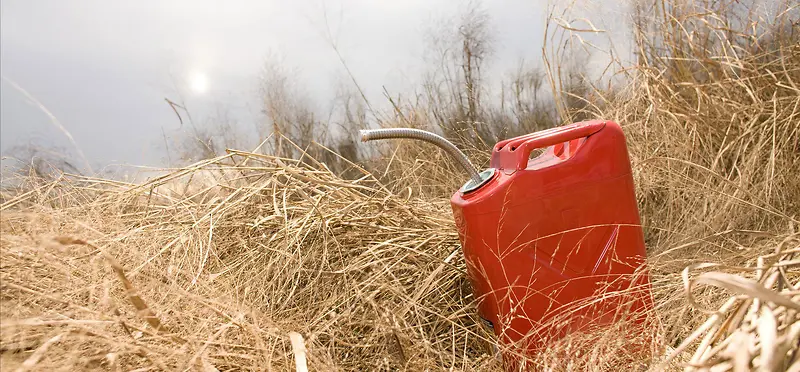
554 138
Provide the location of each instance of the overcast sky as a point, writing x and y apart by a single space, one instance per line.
103 68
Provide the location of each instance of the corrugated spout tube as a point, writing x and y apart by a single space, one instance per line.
409 133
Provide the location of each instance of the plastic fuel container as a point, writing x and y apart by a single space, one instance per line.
552 236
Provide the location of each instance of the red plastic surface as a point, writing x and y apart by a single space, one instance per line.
547 232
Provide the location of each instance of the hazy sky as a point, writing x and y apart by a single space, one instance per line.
103 68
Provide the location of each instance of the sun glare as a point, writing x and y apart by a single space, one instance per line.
199 82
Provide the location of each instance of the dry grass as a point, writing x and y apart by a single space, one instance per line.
103 275
222 275
254 262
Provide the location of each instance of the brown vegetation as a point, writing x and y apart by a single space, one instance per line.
212 266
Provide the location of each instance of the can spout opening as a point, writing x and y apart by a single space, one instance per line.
421 135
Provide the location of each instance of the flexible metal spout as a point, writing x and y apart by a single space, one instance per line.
409 133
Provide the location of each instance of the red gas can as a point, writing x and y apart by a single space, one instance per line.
547 230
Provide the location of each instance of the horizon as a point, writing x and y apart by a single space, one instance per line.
104 70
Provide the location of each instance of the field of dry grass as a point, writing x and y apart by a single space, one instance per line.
212 266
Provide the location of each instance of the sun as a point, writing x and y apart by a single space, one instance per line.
198 82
